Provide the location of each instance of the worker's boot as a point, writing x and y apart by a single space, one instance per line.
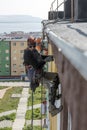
53 110
52 96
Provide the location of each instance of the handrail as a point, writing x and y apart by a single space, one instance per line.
51 8
52 5
58 5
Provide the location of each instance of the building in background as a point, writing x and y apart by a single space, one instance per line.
11 57
17 51
5 60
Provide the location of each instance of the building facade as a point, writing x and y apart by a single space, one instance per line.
5 60
11 57
17 51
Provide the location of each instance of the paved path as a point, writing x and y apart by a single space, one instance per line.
35 122
35 106
19 122
10 123
7 113
5 123
10 85
16 84
2 91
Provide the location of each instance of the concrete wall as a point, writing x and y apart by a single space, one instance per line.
74 94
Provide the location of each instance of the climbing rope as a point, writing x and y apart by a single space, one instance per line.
41 102
32 111
41 106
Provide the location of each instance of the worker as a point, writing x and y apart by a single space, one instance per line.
35 63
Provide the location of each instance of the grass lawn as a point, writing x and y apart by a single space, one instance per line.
34 128
36 114
37 96
7 102
8 117
2 87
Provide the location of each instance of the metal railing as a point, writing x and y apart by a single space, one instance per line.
51 8
57 6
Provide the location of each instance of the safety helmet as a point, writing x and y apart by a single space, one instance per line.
31 41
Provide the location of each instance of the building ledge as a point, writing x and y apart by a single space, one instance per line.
71 39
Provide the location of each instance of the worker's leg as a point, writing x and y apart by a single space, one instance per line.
33 83
53 81
52 94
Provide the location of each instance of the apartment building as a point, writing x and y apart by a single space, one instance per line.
5 60
17 51
11 57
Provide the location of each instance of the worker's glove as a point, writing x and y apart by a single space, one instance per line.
49 58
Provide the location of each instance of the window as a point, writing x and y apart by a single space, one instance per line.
14 65
7 58
14 71
6 51
7 65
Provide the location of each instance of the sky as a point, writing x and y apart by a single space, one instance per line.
37 8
